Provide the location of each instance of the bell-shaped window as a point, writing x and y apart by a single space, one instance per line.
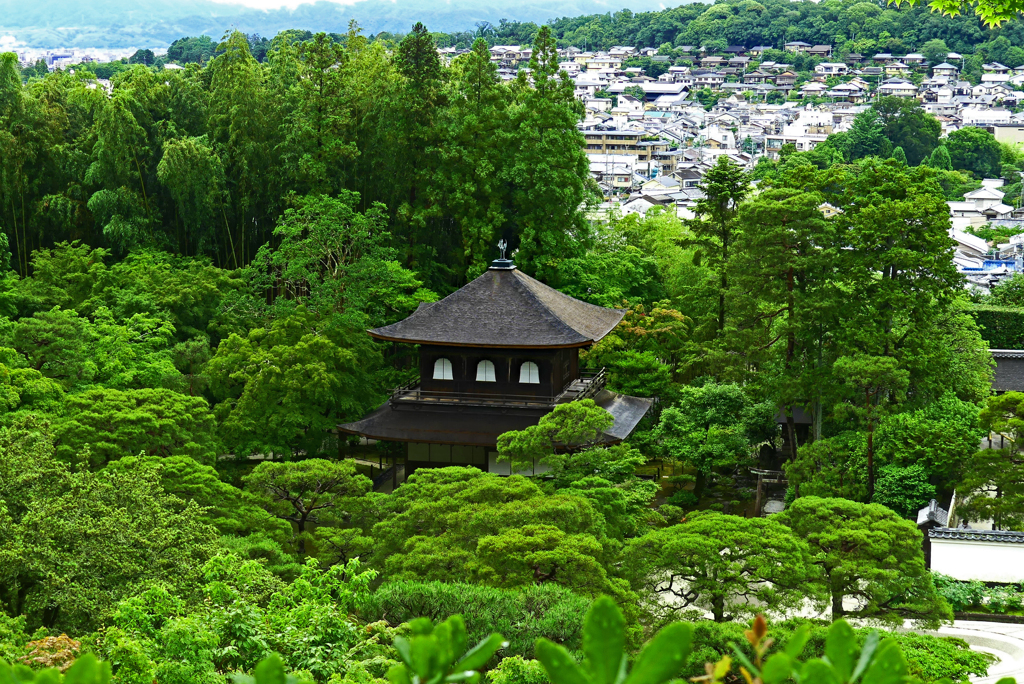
442 369
485 372
529 373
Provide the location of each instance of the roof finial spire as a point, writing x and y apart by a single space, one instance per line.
504 263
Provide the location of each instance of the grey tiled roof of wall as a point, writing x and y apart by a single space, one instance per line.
977 535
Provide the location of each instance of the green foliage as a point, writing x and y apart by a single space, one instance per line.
490 530
108 424
1002 326
522 616
281 388
306 493
435 654
574 425
905 490
1000 468
78 541
718 563
715 428
975 150
605 659
868 552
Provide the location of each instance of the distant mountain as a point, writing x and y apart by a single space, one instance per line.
155 23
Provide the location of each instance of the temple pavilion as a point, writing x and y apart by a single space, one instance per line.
494 356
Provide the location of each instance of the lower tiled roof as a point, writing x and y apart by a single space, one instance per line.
967 534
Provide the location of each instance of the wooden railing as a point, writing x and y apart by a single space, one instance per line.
589 382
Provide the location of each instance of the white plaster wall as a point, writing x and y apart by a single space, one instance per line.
985 561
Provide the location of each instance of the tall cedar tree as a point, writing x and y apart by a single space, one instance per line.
550 175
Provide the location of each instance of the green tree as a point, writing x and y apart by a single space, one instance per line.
716 429
974 149
317 126
81 541
899 155
866 137
549 173
194 175
935 51
142 57
940 159
338 263
108 424
281 389
574 426
874 384
905 490
473 158
435 525
306 493
867 553
907 125
723 564
725 186
993 483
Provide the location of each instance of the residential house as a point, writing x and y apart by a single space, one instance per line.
613 142
786 78
756 77
945 70
813 89
849 92
896 68
897 87
831 69
882 58
712 61
820 51
758 50
914 59
797 46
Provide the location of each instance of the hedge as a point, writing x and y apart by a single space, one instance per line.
1001 326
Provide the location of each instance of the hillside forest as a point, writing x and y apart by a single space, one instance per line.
189 265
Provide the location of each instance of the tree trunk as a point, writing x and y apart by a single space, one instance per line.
718 607
837 606
791 427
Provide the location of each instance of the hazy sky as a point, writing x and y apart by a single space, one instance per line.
274 4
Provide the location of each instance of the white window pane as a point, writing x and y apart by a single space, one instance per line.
529 373
485 371
442 369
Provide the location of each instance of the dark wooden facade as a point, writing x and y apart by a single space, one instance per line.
557 368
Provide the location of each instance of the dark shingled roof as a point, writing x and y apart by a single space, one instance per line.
505 308
481 427
967 534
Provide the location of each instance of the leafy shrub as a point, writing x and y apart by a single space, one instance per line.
522 616
683 498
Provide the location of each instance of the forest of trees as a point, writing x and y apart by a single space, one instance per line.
191 261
